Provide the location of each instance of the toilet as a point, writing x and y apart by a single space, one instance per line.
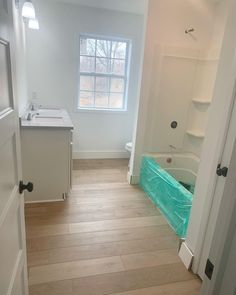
129 146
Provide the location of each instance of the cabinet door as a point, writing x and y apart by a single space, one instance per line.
46 162
70 160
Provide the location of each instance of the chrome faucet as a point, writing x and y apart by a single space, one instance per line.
33 106
30 115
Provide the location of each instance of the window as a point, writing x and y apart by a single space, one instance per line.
103 73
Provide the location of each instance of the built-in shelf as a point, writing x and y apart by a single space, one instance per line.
201 101
195 133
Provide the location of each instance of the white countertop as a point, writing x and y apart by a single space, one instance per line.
47 118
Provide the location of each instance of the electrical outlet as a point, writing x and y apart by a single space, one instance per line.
34 95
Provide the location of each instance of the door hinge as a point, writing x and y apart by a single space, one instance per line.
209 269
221 171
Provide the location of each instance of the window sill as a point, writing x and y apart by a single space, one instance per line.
101 111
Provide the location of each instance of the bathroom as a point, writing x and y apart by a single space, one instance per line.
114 96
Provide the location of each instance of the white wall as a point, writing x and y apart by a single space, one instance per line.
215 133
53 62
132 6
20 59
221 15
167 22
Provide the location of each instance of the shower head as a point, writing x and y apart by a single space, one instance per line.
190 30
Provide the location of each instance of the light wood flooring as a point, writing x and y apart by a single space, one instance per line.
106 238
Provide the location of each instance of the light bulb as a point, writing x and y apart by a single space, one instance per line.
33 24
28 10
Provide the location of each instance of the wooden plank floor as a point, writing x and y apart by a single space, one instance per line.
106 238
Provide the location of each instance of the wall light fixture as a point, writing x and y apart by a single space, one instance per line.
28 10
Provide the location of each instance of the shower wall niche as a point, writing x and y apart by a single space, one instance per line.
200 106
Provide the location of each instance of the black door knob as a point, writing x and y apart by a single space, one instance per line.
221 171
29 187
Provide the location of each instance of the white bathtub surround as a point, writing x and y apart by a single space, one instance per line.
178 77
53 71
183 86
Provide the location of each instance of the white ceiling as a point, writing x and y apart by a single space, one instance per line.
132 6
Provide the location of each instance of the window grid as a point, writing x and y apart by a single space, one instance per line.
95 69
110 75
109 80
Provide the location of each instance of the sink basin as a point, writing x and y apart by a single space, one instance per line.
49 112
57 120
46 118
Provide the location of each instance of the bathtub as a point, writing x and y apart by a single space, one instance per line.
183 167
162 176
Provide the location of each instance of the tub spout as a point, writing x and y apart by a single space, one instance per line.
172 147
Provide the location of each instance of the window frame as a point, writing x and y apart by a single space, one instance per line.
125 77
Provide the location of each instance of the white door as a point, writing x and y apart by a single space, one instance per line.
223 248
219 190
13 270
220 235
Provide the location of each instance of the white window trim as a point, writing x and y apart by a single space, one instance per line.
125 77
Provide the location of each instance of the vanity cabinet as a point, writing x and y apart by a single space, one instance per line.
47 161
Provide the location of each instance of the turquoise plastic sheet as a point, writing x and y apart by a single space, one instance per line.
173 200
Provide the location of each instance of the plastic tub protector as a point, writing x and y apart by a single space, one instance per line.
173 200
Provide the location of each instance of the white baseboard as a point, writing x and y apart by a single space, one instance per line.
129 178
120 154
44 201
186 255
132 179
